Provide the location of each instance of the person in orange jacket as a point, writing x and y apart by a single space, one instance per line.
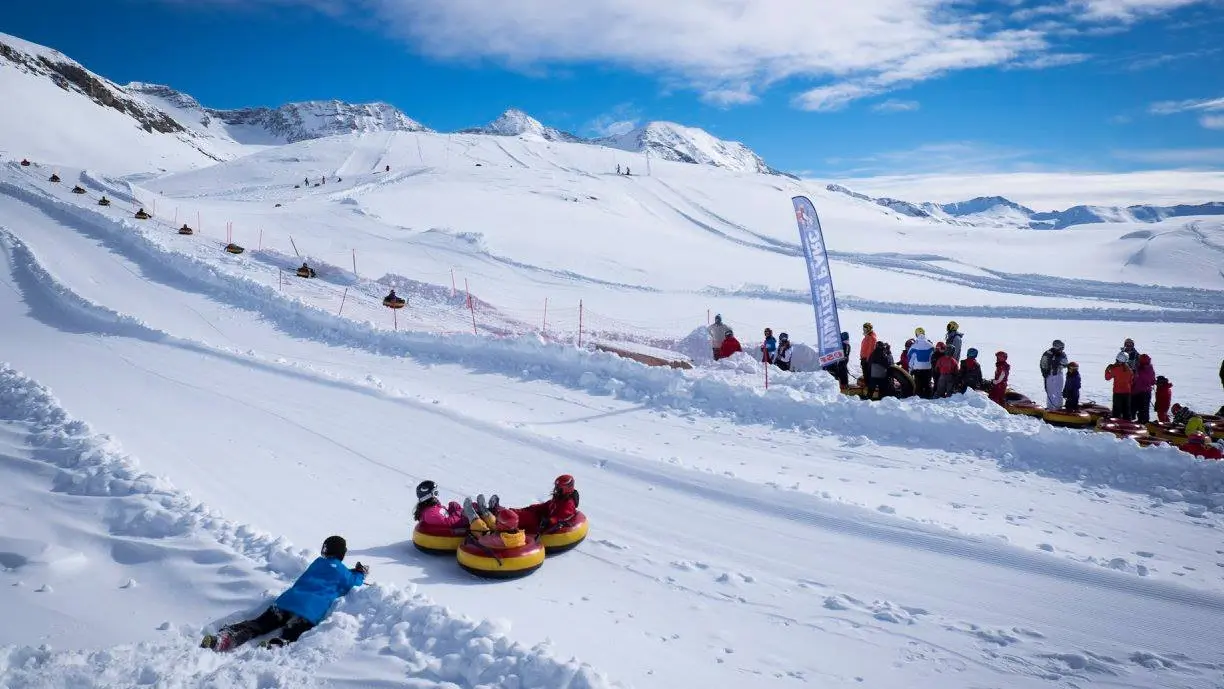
866 348
1122 376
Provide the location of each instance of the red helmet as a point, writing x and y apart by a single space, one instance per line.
507 520
564 485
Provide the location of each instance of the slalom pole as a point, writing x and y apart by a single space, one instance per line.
452 283
342 298
471 306
355 265
199 224
260 240
299 255
544 329
175 221
579 323
395 319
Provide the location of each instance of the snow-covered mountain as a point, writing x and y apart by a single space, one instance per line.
515 122
678 143
285 124
997 211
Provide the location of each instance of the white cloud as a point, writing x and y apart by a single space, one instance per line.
622 119
1212 121
894 105
1051 60
950 156
732 50
1186 157
1170 107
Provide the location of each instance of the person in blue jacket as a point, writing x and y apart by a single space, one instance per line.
303 606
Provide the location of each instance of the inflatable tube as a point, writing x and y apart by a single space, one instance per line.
855 391
504 563
1170 432
438 540
559 540
1097 411
1067 418
1025 407
396 303
1122 428
1147 440
898 384
234 248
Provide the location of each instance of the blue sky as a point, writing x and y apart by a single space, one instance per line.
830 87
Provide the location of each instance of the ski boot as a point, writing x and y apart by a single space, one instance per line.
219 642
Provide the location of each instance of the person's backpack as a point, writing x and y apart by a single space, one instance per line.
1047 362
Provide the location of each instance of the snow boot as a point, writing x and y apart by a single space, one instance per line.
494 503
272 643
469 510
220 642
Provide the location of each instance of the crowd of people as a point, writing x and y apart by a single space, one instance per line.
938 370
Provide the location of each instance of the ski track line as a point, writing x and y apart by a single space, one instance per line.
851 520
806 402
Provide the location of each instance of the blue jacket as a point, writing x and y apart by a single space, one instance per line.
1072 384
312 595
770 346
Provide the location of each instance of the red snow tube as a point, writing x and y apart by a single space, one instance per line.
559 539
500 563
1123 428
1169 432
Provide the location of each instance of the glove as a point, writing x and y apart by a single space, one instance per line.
361 569
454 508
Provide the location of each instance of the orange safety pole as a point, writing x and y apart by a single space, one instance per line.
471 306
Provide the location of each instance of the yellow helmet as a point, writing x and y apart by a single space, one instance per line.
919 332
952 325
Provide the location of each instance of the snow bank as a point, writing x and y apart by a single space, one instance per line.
810 402
432 643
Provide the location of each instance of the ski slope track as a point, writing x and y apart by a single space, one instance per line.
805 400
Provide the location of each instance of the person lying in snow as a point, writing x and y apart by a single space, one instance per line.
429 509
538 518
303 606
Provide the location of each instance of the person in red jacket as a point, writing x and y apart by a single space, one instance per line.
1164 397
1198 446
1122 376
998 386
948 371
729 346
558 510
904 361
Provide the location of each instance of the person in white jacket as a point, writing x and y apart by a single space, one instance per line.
718 332
920 363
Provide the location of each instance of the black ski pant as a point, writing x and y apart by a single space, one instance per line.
877 384
922 382
1071 401
1141 406
1121 405
272 619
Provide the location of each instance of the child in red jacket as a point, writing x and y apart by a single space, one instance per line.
537 518
1164 397
998 387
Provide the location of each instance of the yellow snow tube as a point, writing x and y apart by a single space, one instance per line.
567 537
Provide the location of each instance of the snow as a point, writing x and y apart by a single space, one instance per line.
181 427
675 142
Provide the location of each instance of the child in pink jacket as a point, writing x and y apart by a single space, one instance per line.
429 509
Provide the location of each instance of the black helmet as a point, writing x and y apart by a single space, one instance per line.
784 337
335 546
426 490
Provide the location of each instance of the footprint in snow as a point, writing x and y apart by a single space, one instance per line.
611 544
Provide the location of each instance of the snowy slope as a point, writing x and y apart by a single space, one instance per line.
678 143
59 112
804 554
515 122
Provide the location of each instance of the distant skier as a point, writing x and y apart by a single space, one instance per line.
1071 388
718 332
627 173
1053 363
300 608
387 169
1141 389
920 353
783 357
1122 376
618 168
998 385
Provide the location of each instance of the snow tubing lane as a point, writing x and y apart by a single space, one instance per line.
567 538
1067 418
437 540
503 563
